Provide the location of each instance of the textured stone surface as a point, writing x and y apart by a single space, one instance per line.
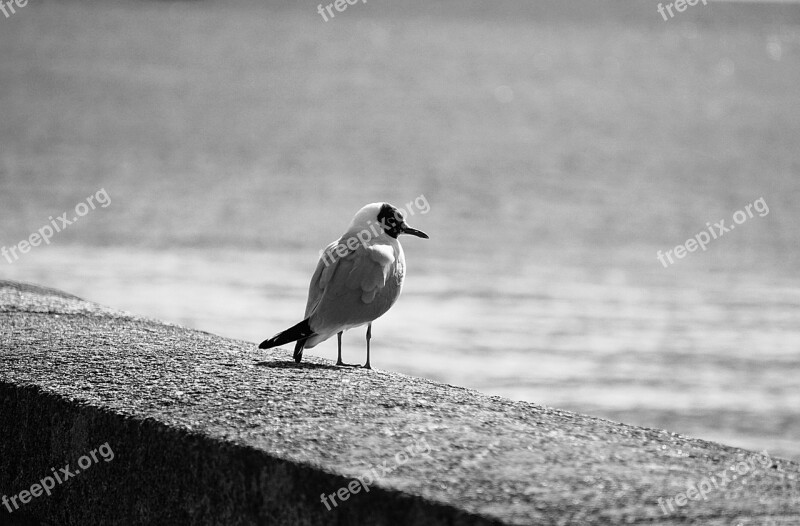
208 430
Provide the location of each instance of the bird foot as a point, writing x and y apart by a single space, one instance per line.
342 364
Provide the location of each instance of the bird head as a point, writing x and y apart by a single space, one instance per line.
390 219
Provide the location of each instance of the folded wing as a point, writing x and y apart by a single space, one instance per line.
350 290
370 270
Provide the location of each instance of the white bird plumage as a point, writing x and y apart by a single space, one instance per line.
358 278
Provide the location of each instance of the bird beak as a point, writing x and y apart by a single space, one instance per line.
414 232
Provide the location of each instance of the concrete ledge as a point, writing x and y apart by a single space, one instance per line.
207 430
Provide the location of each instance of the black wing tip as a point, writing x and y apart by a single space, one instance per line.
301 331
298 350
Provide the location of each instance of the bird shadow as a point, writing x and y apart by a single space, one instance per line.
289 364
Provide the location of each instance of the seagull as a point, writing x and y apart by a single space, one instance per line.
358 278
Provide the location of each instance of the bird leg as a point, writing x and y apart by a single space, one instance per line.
369 336
339 361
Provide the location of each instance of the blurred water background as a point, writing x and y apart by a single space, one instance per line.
559 146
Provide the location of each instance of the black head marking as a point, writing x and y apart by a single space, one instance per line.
391 219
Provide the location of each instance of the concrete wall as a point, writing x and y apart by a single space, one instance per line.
208 430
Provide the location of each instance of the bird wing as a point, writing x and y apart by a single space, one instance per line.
322 275
370 270
350 290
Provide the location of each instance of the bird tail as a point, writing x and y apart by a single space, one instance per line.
302 331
